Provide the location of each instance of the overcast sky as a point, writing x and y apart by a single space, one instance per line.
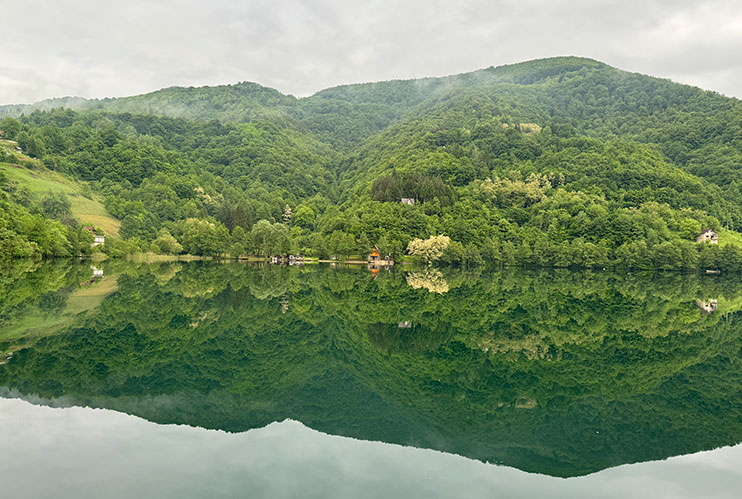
103 48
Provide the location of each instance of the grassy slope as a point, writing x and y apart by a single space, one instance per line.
40 181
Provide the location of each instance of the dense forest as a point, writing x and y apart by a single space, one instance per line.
562 162
555 372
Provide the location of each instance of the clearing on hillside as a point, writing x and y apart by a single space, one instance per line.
38 180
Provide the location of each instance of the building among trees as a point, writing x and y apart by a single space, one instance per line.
374 258
375 255
98 238
708 235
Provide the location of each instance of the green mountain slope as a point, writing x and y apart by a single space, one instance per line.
563 161
237 102
685 122
86 207
581 90
43 213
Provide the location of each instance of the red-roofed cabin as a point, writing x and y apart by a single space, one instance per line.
98 238
375 255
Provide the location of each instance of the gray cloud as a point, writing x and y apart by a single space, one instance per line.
95 48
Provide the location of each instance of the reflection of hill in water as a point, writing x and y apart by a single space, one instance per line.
559 373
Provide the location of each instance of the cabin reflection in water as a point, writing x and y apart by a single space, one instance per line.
97 274
707 307
374 268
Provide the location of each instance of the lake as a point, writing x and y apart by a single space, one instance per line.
210 379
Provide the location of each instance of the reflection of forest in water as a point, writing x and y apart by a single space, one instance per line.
558 372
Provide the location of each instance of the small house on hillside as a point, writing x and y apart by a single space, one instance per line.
409 201
376 262
375 259
98 239
375 255
708 236
296 260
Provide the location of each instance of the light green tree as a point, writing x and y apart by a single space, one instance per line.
287 215
429 250
270 239
239 241
166 243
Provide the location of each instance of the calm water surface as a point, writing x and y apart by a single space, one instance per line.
206 379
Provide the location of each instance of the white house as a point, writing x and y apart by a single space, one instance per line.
98 239
708 235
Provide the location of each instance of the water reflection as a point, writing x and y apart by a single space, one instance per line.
559 373
78 452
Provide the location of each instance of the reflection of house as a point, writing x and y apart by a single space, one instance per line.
526 403
405 324
97 274
708 236
707 306
98 239
410 201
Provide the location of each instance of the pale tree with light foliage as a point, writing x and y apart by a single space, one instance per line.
429 250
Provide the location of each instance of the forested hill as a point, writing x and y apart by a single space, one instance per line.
594 97
563 161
